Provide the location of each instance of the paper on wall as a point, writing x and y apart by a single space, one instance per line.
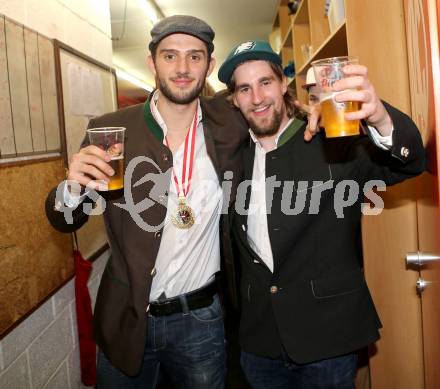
85 91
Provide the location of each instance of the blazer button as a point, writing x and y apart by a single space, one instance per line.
157 234
404 152
273 289
148 308
153 272
165 157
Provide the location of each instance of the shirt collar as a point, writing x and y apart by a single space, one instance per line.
157 116
255 139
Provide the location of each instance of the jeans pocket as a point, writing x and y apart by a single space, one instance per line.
209 314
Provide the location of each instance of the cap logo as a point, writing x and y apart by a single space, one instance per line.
244 47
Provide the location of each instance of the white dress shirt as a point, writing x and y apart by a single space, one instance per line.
187 258
257 229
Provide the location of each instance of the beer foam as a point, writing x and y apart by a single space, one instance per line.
331 95
326 96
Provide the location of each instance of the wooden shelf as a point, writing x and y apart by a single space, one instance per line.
319 23
286 56
308 26
302 14
276 20
291 82
287 41
335 45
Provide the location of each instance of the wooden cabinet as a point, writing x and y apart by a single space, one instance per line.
373 30
281 36
305 37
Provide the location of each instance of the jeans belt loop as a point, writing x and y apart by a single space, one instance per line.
184 303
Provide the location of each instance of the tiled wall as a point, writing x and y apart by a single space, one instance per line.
82 24
42 352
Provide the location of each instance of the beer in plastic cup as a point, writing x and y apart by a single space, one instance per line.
327 71
111 139
332 116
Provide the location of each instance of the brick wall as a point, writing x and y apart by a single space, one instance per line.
42 352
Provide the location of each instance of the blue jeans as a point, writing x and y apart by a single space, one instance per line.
189 348
333 373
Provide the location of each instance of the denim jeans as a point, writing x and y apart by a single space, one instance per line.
333 373
189 348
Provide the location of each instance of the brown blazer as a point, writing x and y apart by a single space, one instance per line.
120 319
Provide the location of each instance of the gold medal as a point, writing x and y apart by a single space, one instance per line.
183 216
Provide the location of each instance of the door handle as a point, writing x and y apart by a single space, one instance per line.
420 259
421 285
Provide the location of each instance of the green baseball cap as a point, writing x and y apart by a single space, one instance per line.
246 51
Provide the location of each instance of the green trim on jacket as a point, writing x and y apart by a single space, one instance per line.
290 131
151 122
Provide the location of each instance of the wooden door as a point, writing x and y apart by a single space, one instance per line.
407 355
398 41
376 33
423 52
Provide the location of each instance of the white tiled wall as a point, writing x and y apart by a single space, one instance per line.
83 24
42 352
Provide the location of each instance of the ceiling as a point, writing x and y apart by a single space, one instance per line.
233 21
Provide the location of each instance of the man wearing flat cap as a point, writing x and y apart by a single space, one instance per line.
157 307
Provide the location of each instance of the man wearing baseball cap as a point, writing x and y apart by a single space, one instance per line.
158 307
305 305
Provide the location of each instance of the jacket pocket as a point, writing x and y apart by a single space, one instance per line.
346 283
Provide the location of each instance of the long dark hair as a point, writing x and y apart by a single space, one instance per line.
289 96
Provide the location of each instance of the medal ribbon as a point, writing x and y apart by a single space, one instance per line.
182 190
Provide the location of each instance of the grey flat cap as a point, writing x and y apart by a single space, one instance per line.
183 24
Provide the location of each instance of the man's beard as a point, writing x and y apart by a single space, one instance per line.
270 128
183 97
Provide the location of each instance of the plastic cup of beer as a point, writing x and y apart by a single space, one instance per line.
111 140
327 72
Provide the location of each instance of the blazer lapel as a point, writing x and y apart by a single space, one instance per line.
210 149
244 191
248 160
